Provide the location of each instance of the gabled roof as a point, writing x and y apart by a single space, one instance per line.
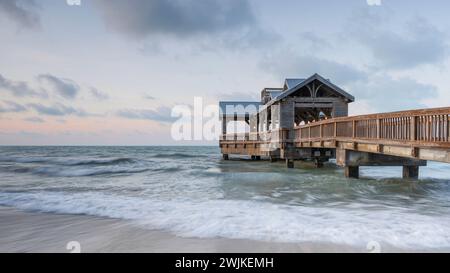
291 83
306 82
274 92
273 89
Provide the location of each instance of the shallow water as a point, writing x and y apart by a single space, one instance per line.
191 192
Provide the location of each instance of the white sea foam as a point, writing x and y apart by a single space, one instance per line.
251 219
197 197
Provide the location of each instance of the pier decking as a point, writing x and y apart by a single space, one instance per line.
406 138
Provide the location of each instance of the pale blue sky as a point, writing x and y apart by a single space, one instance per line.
109 71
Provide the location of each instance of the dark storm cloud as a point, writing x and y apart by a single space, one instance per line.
18 88
182 18
22 12
64 87
162 114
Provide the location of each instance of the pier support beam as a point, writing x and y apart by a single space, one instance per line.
318 163
352 172
289 163
351 160
411 172
225 157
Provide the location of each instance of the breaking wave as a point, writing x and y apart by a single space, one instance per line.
177 155
249 219
69 161
191 192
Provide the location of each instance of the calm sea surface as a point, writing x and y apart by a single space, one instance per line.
190 191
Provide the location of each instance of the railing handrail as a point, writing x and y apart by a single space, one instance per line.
421 127
398 114
255 133
417 127
261 136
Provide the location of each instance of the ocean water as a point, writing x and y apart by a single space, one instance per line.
191 192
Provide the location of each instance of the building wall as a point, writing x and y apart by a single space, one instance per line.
287 114
340 109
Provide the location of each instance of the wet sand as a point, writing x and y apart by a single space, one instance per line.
43 233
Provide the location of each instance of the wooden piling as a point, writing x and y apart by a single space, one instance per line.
352 172
410 172
290 163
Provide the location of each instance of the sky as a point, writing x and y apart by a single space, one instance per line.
109 72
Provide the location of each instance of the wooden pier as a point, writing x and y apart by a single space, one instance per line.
406 138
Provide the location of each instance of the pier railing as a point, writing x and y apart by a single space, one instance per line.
428 127
279 135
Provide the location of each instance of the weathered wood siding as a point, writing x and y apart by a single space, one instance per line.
340 108
287 112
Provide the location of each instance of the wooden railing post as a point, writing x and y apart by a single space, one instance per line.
368 128
378 128
335 129
353 129
446 128
413 128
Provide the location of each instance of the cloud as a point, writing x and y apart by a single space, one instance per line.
149 97
18 88
35 120
238 96
11 107
22 12
20 134
384 94
98 94
418 42
57 110
162 114
181 18
64 87
315 41
291 65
